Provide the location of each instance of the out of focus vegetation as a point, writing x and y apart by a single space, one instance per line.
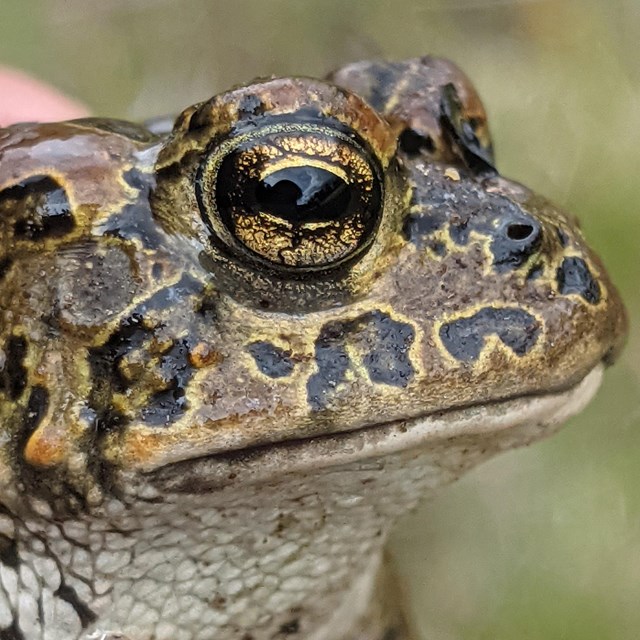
539 544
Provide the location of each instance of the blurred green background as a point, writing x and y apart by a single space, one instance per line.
540 543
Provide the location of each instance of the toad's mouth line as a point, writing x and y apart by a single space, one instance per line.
497 425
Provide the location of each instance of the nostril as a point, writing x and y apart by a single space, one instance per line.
520 231
516 239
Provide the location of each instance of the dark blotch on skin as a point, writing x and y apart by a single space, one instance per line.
464 338
438 248
291 627
418 227
574 276
535 272
68 594
332 361
130 335
5 265
171 373
562 236
40 208
388 361
36 410
106 377
208 308
137 179
164 375
384 342
169 404
459 230
385 76
13 376
12 632
157 270
135 221
271 360
9 552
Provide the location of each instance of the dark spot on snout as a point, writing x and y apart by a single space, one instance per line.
271 360
516 239
40 208
464 338
574 276
383 342
332 361
387 361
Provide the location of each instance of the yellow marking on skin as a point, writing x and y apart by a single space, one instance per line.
47 447
452 174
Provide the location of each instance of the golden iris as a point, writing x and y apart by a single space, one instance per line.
297 195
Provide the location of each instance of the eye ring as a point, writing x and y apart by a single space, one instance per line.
295 196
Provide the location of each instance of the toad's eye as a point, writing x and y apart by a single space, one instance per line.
301 196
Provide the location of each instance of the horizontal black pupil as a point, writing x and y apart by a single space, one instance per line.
303 194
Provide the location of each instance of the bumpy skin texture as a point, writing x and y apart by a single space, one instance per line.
205 357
